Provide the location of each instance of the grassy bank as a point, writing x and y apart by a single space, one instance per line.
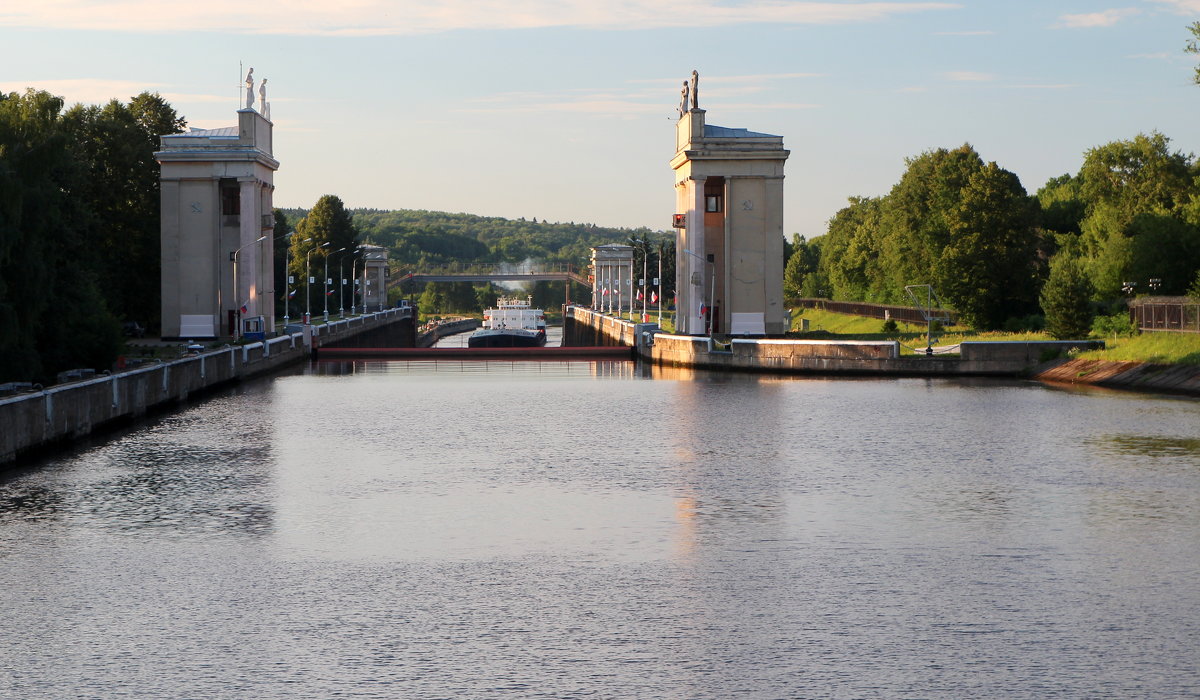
1163 348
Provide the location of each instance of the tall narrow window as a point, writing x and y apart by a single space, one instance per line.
712 203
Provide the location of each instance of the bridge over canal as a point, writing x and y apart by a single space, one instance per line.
494 272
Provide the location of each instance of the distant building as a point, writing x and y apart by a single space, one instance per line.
374 278
729 223
612 276
217 187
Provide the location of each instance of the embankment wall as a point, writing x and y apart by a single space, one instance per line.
1019 358
1138 376
65 412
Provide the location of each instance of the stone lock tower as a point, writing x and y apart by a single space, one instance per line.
729 223
217 230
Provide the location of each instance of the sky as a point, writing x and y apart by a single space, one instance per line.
564 110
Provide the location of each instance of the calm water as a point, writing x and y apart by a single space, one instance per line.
560 530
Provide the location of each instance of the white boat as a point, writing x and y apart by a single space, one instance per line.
512 324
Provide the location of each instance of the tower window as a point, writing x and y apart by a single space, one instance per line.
712 203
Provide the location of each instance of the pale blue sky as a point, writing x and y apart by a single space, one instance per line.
564 109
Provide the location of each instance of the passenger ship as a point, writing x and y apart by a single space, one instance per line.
512 324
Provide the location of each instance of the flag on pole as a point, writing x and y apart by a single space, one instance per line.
292 293
329 292
639 296
653 297
605 292
703 308
245 307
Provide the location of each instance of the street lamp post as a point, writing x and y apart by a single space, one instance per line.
287 293
237 331
308 282
327 282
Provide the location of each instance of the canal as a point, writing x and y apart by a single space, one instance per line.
600 529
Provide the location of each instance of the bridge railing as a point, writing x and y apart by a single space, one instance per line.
533 268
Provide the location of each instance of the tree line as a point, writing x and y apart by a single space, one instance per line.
79 228
1127 222
419 240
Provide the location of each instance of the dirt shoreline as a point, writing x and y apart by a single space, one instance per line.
1136 376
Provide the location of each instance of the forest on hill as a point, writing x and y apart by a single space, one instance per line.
421 240
417 238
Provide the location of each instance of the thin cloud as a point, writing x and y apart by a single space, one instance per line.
966 76
1182 7
396 17
1106 18
1034 86
85 90
978 32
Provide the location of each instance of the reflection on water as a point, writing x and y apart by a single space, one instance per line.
564 529
1151 445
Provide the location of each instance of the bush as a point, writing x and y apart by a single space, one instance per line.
889 326
1025 324
1115 326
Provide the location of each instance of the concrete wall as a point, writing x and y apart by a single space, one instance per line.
431 336
69 411
1002 358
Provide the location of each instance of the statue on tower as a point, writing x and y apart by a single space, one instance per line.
264 108
695 90
250 89
683 100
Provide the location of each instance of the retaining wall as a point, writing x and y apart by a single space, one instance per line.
1139 376
68 411
431 336
999 358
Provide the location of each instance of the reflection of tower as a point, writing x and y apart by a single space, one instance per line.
729 222
216 190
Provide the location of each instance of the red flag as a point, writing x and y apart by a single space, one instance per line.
639 296
245 309
653 297
329 292
703 308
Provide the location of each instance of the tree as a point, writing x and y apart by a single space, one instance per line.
986 270
1066 298
327 230
1193 47
1130 189
52 315
115 145
804 262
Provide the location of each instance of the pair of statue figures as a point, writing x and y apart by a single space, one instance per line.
265 109
690 93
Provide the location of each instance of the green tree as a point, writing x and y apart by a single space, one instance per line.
52 316
1130 188
115 145
1193 47
804 261
986 269
1194 290
1066 298
327 230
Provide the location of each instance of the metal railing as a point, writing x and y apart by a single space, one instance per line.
1178 314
